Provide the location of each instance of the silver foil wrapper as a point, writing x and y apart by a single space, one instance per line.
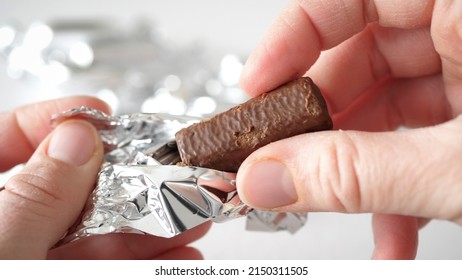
141 189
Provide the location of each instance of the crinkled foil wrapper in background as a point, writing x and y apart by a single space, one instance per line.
140 189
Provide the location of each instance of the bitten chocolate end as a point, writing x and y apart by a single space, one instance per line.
224 141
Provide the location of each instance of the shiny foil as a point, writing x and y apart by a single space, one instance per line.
141 188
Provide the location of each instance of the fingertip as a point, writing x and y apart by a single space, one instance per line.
286 52
73 142
396 237
251 76
266 184
271 65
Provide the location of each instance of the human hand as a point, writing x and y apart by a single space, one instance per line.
40 203
384 64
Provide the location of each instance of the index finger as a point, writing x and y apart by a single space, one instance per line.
305 28
25 127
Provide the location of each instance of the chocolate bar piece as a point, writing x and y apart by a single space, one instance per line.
224 141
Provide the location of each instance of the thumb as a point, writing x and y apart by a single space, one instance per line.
413 172
42 202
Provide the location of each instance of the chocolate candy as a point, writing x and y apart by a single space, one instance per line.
224 141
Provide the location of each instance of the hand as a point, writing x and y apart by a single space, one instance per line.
40 203
384 64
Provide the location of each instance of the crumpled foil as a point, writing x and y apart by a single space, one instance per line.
141 189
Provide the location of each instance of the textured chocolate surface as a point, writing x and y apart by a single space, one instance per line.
224 141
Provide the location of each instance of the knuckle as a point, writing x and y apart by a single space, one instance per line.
34 192
338 174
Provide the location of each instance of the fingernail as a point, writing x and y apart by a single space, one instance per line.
72 142
268 184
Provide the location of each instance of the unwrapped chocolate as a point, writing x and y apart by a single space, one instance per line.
140 189
226 140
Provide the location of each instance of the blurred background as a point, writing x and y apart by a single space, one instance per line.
177 57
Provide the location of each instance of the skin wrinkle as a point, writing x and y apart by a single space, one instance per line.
52 169
24 203
412 14
334 184
330 37
309 20
345 155
318 41
26 187
39 212
395 116
322 21
369 11
342 190
26 198
378 69
18 186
